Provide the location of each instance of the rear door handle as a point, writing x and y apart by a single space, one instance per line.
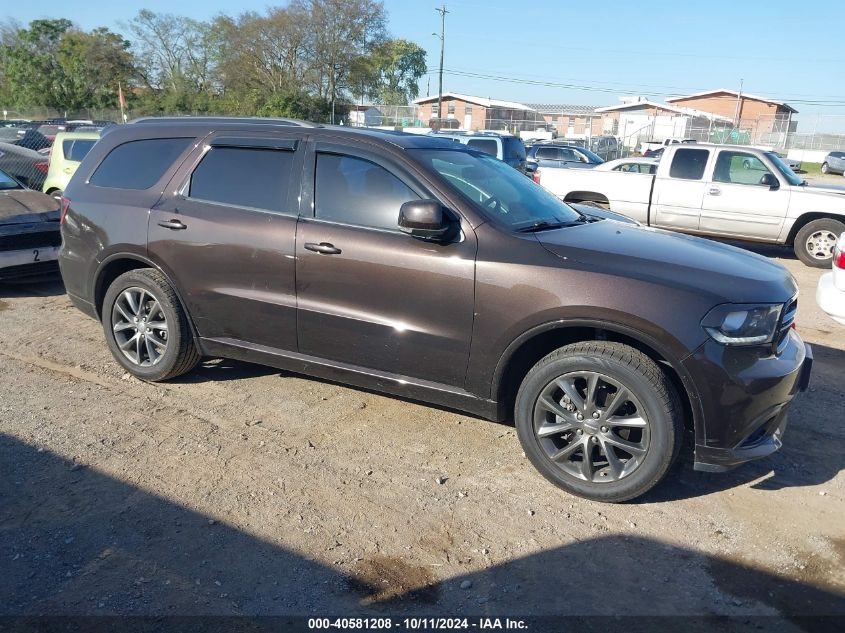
323 247
174 225
714 192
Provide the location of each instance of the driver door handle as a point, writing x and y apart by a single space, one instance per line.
174 225
713 191
323 247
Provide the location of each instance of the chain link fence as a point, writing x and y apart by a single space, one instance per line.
26 147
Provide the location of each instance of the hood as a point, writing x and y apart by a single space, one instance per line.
24 206
726 273
822 189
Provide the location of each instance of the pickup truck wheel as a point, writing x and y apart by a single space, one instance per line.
146 329
825 168
600 420
815 241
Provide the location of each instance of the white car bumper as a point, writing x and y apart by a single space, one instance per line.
830 298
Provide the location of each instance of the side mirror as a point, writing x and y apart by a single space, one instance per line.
769 180
425 219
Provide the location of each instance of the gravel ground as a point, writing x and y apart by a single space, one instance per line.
241 490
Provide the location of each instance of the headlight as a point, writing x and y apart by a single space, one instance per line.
732 324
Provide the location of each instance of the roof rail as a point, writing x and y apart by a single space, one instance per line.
205 120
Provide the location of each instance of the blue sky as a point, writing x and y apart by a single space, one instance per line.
613 47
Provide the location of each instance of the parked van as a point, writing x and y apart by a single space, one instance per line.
505 147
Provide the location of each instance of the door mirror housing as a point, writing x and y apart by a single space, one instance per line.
769 180
426 219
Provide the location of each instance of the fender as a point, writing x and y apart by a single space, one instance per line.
98 275
664 351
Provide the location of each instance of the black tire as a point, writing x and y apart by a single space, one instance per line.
822 233
825 168
180 354
640 376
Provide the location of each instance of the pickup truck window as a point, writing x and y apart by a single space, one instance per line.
688 164
739 168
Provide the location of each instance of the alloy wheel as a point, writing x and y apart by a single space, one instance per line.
140 326
591 426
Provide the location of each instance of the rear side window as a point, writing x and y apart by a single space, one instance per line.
355 191
689 164
138 164
486 145
244 177
77 149
548 152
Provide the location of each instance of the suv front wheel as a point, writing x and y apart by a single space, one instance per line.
146 328
600 420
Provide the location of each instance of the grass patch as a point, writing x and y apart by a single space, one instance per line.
811 169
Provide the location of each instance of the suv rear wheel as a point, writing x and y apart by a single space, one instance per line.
146 329
600 420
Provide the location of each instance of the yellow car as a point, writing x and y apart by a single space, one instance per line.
69 149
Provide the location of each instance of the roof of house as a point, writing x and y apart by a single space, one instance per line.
482 101
734 93
634 105
563 108
363 108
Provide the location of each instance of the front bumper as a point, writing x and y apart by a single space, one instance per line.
745 397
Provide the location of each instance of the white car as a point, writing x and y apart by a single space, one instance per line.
830 294
634 165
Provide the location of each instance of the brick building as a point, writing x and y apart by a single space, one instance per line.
570 121
766 120
468 112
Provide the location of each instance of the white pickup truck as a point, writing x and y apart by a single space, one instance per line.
726 191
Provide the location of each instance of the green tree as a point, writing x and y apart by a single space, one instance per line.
394 69
54 65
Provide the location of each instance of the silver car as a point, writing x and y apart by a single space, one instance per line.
834 163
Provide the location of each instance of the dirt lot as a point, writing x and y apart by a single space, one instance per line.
241 490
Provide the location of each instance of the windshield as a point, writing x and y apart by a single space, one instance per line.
7 182
496 189
784 169
594 158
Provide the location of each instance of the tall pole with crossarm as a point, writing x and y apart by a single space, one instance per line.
442 11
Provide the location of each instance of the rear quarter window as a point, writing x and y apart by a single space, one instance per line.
689 164
77 149
486 145
138 164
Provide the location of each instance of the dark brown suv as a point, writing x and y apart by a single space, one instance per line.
420 267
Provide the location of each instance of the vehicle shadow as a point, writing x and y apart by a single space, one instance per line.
225 369
813 451
76 542
777 251
48 287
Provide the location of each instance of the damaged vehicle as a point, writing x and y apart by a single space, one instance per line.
29 232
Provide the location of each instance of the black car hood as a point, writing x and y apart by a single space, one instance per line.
726 273
24 206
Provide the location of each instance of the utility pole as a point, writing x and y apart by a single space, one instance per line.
738 104
442 11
